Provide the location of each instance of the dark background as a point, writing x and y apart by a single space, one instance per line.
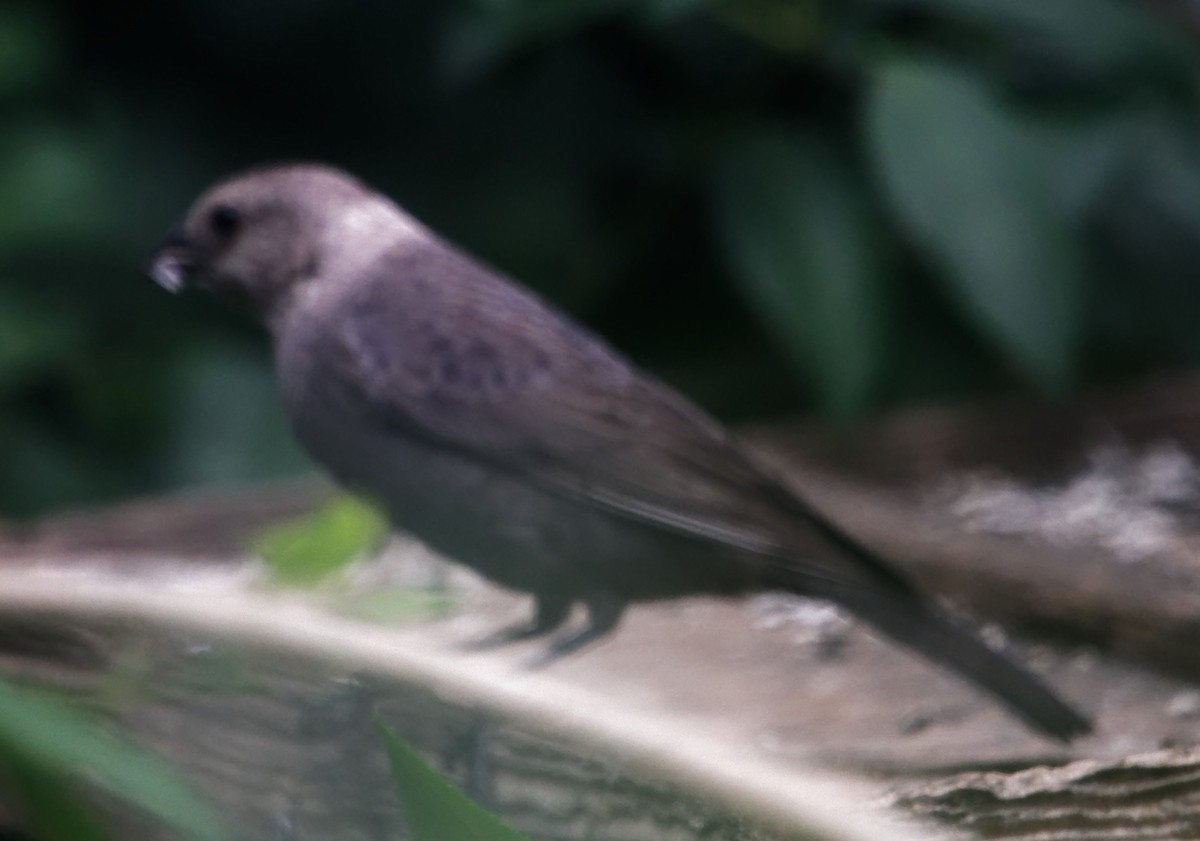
779 206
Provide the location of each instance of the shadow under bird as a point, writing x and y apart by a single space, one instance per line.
506 436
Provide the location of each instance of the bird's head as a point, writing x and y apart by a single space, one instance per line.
258 236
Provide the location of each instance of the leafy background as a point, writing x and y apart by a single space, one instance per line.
780 206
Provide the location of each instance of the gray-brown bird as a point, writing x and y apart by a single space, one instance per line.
511 439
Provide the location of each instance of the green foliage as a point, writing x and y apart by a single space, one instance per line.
975 185
777 205
49 752
311 549
435 810
803 238
305 551
50 804
1102 41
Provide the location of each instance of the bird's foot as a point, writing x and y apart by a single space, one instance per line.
549 614
503 636
564 645
603 616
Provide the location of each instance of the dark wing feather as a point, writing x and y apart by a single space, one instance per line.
476 365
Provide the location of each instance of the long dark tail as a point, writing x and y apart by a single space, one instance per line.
916 625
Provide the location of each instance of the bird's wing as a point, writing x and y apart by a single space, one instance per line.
476 365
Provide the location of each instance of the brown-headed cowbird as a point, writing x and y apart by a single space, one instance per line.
511 439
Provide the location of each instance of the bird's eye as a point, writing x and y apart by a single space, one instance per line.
224 220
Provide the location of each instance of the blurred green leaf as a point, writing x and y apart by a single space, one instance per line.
434 809
307 550
49 739
1103 39
805 249
51 187
33 336
977 189
51 805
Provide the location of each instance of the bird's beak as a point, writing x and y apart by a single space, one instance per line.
170 266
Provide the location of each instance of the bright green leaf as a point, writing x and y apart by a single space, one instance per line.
435 809
307 550
978 190
805 249
47 735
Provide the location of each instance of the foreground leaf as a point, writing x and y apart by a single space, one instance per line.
50 740
804 245
976 188
435 809
51 806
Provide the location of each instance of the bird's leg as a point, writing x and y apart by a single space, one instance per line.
549 614
603 613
